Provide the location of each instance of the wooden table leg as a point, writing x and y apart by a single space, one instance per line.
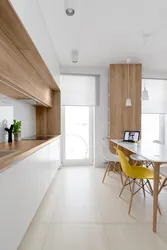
155 195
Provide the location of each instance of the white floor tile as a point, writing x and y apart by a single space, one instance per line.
35 237
130 236
76 237
79 212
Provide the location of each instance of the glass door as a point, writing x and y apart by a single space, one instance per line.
77 135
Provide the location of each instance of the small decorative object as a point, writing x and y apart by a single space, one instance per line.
17 130
137 143
9 130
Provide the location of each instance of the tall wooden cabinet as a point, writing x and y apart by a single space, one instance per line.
121 117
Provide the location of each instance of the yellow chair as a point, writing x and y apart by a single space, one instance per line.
134 173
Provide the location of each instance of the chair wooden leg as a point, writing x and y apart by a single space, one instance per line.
123 186
142 182
131 198
114 167
151 189
111 167
120 172
108 166
162 185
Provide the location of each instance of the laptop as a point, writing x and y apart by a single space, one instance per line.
131 136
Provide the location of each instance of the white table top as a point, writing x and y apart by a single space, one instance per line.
150 150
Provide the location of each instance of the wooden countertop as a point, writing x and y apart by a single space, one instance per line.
23 149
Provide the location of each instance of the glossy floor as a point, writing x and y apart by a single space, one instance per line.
81 213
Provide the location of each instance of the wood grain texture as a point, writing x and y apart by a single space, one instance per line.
48 120
13 27
41 120
155 194
121 117
21 47
23 149
8 91
125 151
54 115
39 65
19 73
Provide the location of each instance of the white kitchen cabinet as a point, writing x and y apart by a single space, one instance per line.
22 188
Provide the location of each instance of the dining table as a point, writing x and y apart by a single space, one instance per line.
156 154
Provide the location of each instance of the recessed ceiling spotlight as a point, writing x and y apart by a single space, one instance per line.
74 56
69 7
70 12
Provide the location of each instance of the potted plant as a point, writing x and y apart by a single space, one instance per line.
17 130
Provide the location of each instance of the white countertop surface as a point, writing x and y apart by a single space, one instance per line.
150 150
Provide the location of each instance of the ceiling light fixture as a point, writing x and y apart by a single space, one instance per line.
69 7
145 96
128 100
74 56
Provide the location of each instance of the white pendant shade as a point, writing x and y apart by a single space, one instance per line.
145 96
128 102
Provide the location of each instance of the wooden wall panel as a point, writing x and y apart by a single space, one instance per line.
121 117
41 120
54 115
48 120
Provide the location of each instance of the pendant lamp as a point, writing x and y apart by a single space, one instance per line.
128 100
145 96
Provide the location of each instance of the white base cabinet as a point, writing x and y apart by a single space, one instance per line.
22 188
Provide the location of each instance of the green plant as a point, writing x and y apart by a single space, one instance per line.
16 127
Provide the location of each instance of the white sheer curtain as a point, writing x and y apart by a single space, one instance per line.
154 110
157 90
79 90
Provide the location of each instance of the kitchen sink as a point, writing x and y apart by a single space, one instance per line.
4 153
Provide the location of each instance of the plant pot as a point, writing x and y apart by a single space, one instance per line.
17 137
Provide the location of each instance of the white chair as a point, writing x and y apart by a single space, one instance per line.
112 159
163 170
138 159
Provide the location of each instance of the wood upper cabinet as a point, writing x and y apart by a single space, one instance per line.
121 117
39 65
12 26
21 65
18 72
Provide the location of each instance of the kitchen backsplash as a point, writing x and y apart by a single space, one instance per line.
16 109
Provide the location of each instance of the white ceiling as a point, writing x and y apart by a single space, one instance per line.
108 31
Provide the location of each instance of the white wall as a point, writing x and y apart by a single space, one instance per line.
101 111
16 109
33 20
